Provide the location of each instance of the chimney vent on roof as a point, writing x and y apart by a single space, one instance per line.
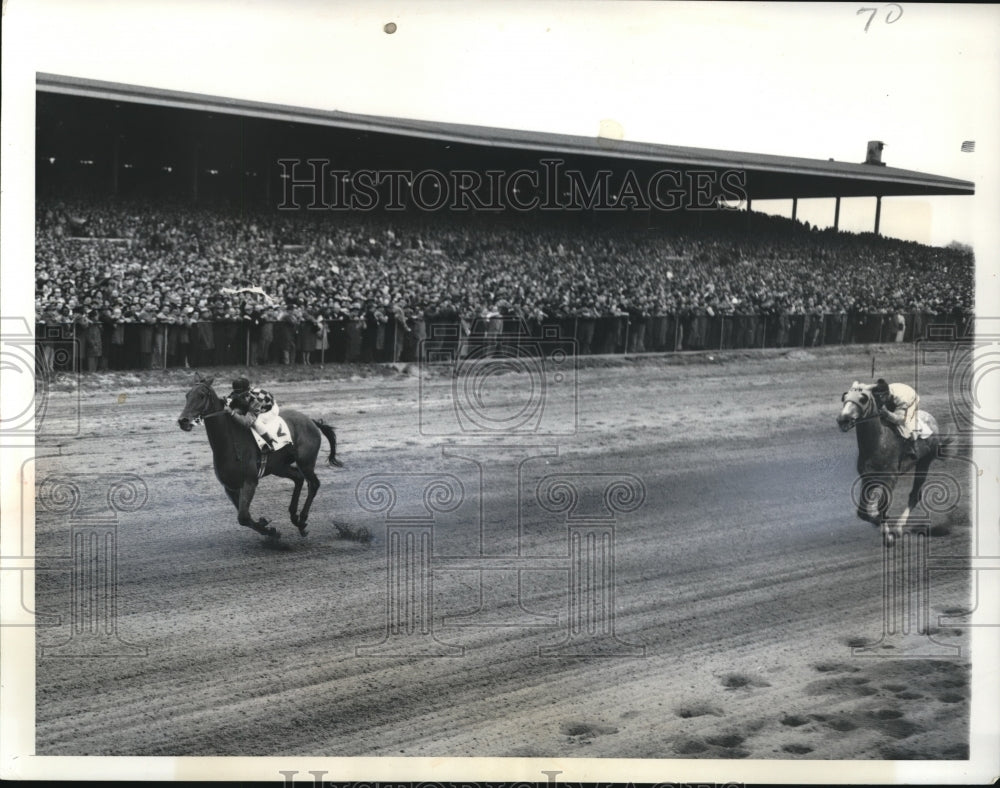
874 155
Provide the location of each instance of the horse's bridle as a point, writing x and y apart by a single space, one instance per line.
867 405
202 416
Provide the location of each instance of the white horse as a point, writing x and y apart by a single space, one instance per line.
883 456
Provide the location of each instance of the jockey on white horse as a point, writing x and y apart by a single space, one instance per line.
898 405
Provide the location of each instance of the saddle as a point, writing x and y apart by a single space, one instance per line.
282 436
923 429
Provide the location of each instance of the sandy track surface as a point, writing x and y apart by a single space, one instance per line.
740 584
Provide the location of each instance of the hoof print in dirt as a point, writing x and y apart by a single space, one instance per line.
580 729
698 710
797 749
734 681
835 667
690 747
841 724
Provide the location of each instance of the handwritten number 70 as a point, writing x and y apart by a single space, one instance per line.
892 8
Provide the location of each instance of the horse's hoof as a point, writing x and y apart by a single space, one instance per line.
336 463
303 533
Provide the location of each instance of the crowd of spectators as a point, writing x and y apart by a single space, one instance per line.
203 283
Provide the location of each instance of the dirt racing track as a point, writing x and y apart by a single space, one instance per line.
677 574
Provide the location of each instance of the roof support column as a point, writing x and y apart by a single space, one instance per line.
836 215
749 209
115 159
266 172
195 163
795 208
878 212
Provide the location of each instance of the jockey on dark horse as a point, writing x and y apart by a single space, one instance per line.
254 408
898 405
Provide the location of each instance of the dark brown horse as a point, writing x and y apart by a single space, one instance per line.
235 455
883 456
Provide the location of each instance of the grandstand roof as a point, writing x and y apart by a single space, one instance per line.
768 176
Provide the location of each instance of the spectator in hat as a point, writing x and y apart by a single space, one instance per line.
93 345
286 336
354 333
203 344
308 336
179 338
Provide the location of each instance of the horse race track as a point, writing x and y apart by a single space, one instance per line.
735 587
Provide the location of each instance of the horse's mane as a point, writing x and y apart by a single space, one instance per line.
207 385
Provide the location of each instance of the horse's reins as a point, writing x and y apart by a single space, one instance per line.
261 466
201 419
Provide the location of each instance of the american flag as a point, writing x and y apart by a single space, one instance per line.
969 146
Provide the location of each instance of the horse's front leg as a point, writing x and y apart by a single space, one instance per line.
247 492
870 501
919 477
873 506
890 530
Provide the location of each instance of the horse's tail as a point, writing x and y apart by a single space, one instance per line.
331 436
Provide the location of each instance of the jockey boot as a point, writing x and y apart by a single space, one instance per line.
268 441
263 457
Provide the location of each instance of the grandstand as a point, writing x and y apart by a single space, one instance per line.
182 230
